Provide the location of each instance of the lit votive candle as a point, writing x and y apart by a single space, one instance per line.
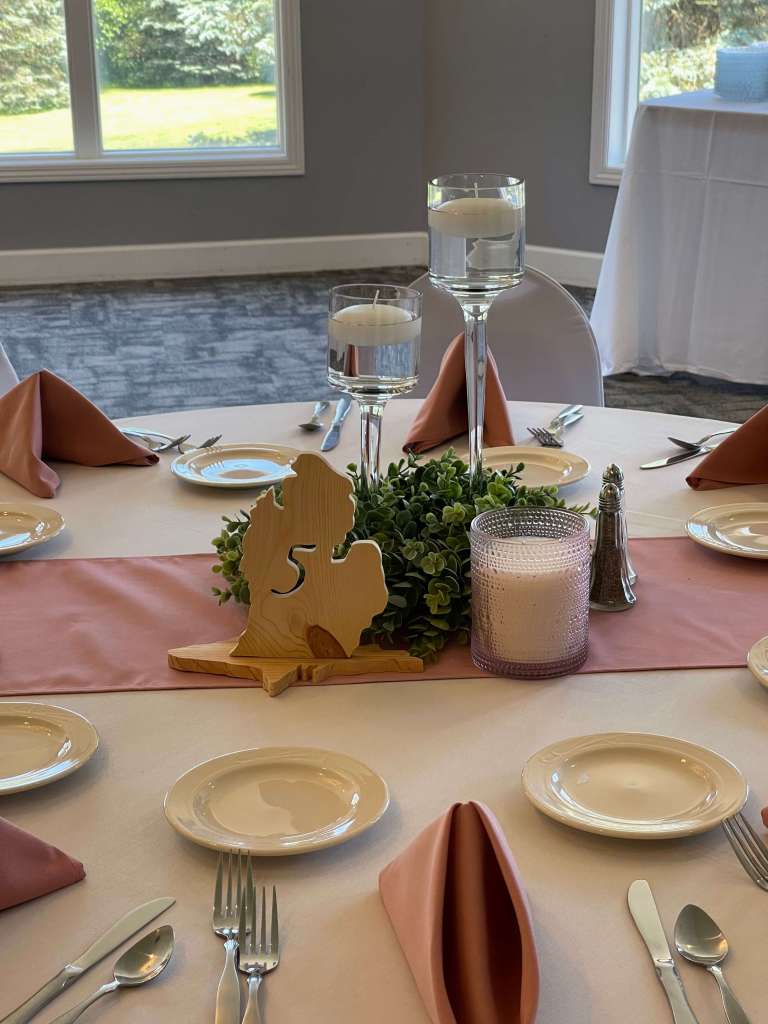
530 591
476 217
373 323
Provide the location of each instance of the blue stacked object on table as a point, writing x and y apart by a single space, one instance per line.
741 73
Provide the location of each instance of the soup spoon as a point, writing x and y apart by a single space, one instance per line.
699 940
142 962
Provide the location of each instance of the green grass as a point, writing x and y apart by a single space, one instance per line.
155 119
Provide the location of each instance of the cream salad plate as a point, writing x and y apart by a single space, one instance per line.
544 467
276 801
757 661
41 743
733 529
235 465
634 785
23 525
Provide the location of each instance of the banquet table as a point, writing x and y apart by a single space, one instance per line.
434 741
683 281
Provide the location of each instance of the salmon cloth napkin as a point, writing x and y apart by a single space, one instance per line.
30 868
742 458
443 414
461 915
43 417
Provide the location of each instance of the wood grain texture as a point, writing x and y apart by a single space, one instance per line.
304 602
276 674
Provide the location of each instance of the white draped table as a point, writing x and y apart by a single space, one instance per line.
435 742
684 282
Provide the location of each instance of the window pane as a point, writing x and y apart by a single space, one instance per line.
187 74
680 38
34 86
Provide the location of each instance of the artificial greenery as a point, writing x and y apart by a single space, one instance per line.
419 516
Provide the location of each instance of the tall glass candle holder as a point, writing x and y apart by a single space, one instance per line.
374 336
530 591
476 250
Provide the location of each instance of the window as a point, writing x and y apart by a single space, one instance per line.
149 88
645 49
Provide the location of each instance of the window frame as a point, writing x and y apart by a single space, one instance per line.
90 163
615 86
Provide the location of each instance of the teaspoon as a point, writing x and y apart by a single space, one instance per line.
314 422
700 941
142 962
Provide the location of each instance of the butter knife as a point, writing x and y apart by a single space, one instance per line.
681 457
115 936
642 907
331 439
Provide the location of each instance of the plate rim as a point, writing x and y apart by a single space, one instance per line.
180 464
581 465
48 516
274 851
761 677
552 811
66 714
714 545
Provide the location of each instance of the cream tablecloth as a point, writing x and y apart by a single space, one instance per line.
684 282
434 742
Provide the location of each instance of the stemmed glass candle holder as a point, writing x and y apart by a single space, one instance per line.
530 591
374 335
476 250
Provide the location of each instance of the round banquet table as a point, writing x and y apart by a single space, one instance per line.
435 742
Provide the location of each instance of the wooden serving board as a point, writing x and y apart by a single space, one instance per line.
276 674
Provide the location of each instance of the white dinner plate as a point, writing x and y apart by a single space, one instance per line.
733 529
40 743
22 525
276 801
544 467
757 661
236 465
634 785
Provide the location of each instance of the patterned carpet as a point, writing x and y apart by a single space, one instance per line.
152 346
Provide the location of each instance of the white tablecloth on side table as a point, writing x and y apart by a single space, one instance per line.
434 741
684 283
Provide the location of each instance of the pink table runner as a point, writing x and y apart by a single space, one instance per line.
90 625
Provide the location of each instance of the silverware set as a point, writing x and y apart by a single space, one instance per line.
248 949
551 436
164 443
333 434
697 939
690 449
141 963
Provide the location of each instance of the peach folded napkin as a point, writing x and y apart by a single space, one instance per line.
764 815
461 915
742 458
443 414
30 868
43 417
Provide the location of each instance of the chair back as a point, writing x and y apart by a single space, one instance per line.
540 337
8 378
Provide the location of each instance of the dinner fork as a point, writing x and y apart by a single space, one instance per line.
209 442
257 958
173 442
694 445
227 901
552 436
749 848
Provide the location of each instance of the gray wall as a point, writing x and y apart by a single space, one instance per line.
363 113
391 92
508 87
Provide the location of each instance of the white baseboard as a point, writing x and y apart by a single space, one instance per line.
255 256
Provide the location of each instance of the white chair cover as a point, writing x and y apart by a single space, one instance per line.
539 335
8 378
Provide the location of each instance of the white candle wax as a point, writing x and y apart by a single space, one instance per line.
476 217
372 323
526 612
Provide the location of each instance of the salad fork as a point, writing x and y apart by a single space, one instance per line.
552 436
227 901
257 957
